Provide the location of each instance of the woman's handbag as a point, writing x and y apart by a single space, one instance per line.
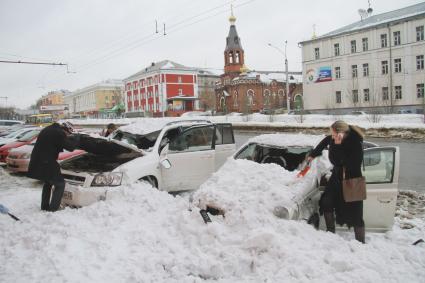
353 189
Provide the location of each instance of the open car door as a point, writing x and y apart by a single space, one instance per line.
192 158
381 169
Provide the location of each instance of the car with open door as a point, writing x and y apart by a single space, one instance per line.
173 156
289 193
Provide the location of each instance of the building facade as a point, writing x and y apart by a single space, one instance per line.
53 103
91 101
375 65
166 88
244 91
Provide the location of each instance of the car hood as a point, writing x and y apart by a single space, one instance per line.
21 150
11 145
104 146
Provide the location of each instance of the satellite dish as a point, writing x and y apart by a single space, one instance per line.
369 11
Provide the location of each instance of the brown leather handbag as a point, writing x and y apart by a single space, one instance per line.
353 189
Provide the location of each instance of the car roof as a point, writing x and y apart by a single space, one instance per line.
287 140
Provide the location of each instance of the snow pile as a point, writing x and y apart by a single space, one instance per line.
285 140
140 234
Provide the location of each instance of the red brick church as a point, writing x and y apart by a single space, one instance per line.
245 91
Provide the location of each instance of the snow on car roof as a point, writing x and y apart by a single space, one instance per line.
284 140
149 125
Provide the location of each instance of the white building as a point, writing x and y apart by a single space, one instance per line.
89 101
376 64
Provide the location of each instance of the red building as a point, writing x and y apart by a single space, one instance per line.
164 88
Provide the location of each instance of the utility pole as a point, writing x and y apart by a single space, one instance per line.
288 100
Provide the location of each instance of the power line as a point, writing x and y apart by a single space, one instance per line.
33 63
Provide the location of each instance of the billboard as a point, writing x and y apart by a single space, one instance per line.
54 107
323 74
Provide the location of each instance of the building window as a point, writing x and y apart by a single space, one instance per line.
365 70
420 33
397 65
398 93
336 49
384 65
354 71
235 99
180 92
397 38
366 96
420 62
337 72
355 96
384 42
179 79
338 97
316 53
250 95
420 90
365 44
353 46
385 93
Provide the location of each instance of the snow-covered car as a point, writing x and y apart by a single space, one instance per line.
175 156
278 187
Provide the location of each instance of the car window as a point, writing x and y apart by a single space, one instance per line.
224 134
248 152
378 166
193 139
29 136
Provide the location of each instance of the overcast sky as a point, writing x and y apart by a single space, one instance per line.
102 39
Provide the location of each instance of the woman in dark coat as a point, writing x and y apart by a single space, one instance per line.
345 152
43 165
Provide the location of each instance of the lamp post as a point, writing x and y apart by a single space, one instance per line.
288 101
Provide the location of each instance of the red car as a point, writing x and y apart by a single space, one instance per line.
19 158
24 140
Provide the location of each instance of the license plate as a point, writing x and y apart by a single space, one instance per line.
67 195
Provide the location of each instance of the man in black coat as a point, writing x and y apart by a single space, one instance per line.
43 165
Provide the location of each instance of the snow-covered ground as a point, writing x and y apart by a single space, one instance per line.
140 234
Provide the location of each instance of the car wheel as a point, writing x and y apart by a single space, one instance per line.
151 180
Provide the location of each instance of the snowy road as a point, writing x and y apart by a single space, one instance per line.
142 235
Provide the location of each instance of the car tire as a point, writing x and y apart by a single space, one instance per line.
151 180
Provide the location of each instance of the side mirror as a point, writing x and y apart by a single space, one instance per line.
166 163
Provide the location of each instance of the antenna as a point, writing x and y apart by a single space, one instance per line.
362 13
156 26
164 30
369 10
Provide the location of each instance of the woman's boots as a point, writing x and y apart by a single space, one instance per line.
330 221
359 234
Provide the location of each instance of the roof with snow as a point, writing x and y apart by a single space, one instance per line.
378 20
170 65
268 77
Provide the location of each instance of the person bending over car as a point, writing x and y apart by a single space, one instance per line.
43 164
345 151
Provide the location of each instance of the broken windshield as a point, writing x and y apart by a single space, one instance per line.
144 142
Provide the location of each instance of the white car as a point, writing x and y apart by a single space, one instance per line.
178 156
290 196
15 135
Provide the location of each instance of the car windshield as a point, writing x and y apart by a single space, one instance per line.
144 142
29 136
288 157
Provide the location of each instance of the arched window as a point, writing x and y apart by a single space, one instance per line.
250 97
222 103
281 92
231 57
237 57
266 97
235 99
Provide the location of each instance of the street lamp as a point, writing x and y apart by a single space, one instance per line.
288 101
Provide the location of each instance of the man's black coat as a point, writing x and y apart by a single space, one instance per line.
43 164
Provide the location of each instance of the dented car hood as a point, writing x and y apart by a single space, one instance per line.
104 146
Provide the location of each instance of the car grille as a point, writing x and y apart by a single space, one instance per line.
74 179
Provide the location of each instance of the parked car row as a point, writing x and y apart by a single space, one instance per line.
183 154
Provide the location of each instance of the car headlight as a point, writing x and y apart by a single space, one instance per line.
107 179
25 156
285 213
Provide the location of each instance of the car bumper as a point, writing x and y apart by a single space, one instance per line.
17 165
76 195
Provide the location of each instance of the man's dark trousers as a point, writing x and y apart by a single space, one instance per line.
53 205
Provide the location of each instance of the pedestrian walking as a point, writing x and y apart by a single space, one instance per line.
43 165
346 155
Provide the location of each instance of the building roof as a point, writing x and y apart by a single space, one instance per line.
108 84
233 41
377 20
161 65
268 77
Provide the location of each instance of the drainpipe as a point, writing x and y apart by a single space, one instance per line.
391 69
